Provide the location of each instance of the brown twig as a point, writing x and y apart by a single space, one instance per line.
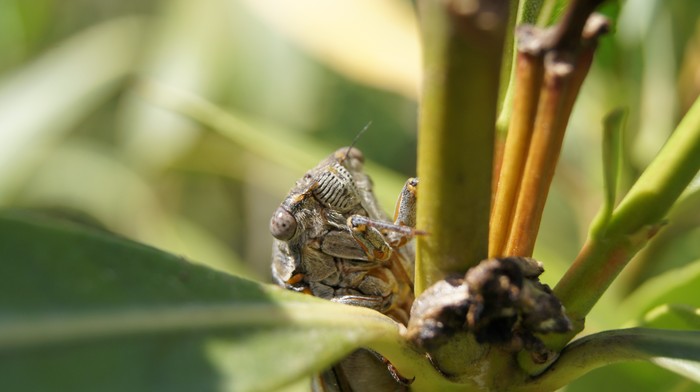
566 35
565 68
528 74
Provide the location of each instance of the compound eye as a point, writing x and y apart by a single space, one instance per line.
283 226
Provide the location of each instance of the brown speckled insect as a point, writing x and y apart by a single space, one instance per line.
333 241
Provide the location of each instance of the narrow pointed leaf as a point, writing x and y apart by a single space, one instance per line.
275 145
613 126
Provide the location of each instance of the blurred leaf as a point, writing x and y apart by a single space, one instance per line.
116 196
372 42
559 240
284 148
678 286
647 26
183 49
674 246
42 101
632 376
122 200
87 311
207 250
689 74
673 316
550 11
688 369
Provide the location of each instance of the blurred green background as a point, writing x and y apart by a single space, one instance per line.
182 124
86 124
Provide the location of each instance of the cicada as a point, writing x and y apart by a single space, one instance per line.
333 241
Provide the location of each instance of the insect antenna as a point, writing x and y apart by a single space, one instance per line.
357 137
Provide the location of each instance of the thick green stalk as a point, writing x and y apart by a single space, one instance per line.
462 49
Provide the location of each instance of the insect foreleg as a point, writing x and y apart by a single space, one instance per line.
405 212
369 238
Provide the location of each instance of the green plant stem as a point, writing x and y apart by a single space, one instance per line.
546 15
610 247
414 364
527 13
610 347
508 63
462 50
521 12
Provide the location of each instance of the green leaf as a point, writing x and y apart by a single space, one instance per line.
279 146
673 316
86 310
550 11
186 49
674 246
678 351
636 376
526 12
678 286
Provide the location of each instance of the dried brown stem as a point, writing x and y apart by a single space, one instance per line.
564 73
528 74
498 151
566 35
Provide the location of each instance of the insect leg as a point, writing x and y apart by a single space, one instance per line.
377 303
392 369
368 232
368 235
396 235
405 211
